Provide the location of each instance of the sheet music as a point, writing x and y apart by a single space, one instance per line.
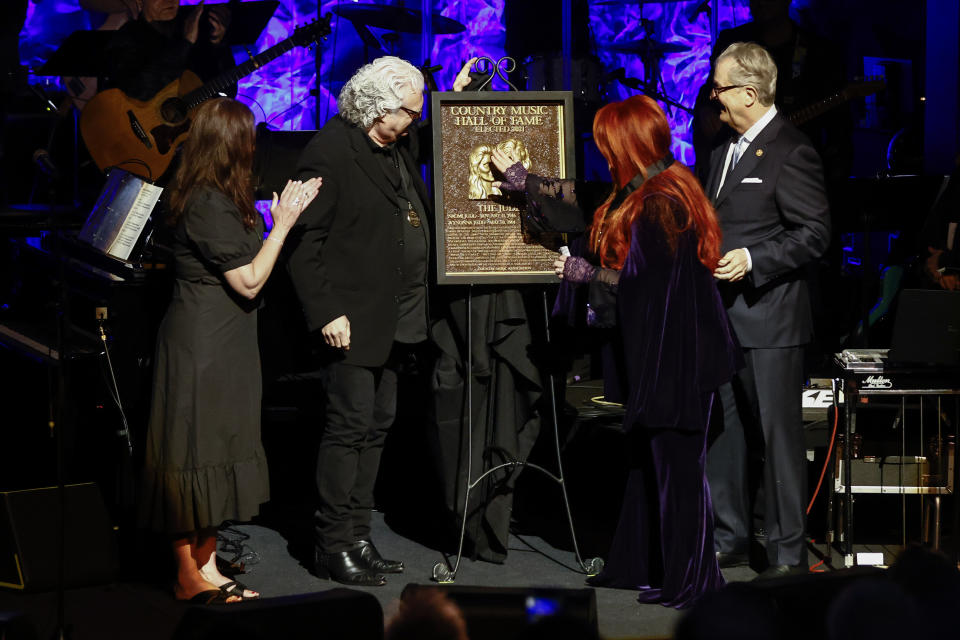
120 215
136 219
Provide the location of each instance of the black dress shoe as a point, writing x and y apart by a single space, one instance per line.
347 567
729 559
376 562
780 571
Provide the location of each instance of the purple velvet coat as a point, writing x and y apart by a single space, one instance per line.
674 348
677 340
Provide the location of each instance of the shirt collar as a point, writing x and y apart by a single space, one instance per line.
759 125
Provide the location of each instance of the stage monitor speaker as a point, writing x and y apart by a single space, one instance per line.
15 626
29 521
502 613
337 614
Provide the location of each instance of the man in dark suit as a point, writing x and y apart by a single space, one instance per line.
359 267
809 69
767 186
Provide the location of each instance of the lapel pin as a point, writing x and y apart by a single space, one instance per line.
759 153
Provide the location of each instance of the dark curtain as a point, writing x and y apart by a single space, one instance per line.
507 391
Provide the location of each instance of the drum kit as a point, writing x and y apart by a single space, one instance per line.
543 72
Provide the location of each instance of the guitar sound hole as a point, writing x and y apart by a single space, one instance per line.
173 110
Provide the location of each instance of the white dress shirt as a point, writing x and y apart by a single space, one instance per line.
740 145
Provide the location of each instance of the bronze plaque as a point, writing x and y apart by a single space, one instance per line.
480 238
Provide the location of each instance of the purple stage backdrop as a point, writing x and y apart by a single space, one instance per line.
282 92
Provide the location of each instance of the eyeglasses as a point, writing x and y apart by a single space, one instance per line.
414 115
716 91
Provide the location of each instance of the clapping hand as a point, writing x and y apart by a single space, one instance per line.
191 26
219 18
296 195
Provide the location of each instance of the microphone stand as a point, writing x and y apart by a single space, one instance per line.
57 380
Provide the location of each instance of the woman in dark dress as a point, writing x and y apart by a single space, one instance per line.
647 266
204 461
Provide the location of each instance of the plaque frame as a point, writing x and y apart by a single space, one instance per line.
439 100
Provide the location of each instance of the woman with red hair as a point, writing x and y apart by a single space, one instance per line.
647 266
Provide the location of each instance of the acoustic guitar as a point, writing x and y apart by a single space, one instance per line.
143 136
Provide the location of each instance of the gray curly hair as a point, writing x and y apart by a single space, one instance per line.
377 88
754 67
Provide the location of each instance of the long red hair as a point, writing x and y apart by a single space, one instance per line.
218 154
631 135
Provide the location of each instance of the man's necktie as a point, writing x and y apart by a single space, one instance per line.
737 149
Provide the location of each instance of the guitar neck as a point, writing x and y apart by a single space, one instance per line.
809 113
859 89
225 81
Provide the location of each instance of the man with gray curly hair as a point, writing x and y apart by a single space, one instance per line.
359 267
377 89
766 183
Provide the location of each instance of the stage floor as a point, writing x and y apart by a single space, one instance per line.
138 610
144 611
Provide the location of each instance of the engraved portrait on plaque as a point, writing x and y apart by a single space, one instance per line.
481 173
480 235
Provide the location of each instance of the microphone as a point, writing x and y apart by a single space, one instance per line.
43 161
49 104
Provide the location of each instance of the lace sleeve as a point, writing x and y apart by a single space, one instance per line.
602 299
552 204
554 188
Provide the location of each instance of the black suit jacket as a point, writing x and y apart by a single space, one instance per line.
773 203
347 247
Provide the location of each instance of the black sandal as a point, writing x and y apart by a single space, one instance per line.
235 588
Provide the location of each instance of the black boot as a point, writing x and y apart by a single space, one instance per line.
375 562
347 567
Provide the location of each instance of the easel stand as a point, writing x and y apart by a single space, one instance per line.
442 571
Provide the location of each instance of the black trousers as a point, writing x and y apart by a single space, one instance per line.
763 422
361 407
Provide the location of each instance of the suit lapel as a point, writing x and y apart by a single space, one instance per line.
753 155
716 168
370 164
414 170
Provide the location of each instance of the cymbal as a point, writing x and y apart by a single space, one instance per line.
402 19
644 46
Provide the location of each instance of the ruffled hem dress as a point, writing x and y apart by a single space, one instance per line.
204 461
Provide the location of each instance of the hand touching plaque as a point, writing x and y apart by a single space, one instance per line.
481 178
